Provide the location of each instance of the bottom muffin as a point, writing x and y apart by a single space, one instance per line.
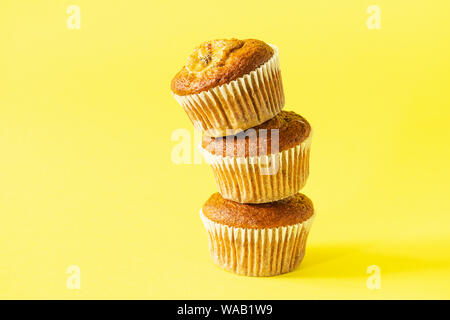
258 239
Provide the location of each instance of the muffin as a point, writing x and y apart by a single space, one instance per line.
230 85
266 163
257 239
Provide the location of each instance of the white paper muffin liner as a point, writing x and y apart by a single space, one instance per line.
248 179
257 252
240 104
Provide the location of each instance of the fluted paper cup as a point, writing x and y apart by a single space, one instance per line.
257 252
259 179
240 104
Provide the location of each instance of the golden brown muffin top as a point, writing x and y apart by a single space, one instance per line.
293 129
217 62
286 212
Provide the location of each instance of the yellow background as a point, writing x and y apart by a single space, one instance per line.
86 177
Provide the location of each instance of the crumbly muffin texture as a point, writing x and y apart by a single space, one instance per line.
217 62
293 129
286 212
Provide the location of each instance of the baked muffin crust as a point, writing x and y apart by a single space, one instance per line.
286 212
293 130
217 62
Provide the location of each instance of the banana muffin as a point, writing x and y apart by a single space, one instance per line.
258 239
230 85
262 164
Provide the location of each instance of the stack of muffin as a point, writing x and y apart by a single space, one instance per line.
232 91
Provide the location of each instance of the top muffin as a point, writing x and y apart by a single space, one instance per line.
218 62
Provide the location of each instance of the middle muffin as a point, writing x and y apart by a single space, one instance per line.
265 163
